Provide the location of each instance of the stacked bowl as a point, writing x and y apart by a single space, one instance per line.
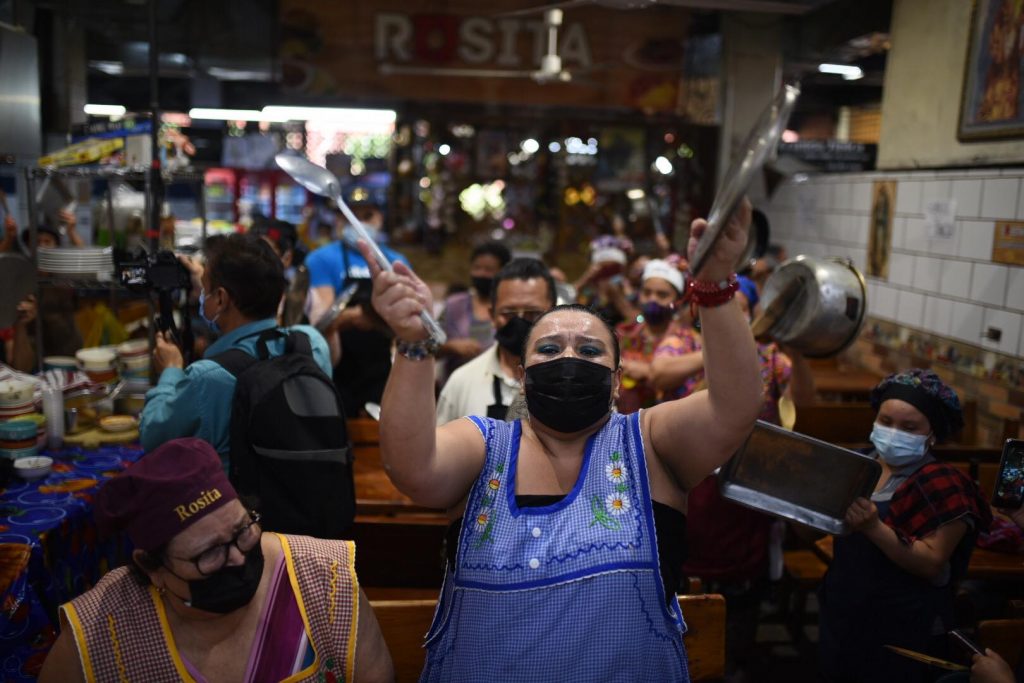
17 398
18 439
98 363
18 404
133 357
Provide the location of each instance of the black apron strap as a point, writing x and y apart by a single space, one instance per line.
497 410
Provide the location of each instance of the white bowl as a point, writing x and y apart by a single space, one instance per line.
96 359
34 467
16 392
133 347
60 362
136 363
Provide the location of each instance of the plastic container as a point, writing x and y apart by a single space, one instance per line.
53 409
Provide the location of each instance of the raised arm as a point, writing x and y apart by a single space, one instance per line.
696 434
433 466
669 372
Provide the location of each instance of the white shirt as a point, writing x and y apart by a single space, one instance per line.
470 389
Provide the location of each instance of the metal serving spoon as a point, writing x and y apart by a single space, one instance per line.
319 180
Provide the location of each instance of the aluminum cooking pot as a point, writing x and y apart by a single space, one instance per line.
814 305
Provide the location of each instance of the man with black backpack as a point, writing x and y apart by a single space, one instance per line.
262 396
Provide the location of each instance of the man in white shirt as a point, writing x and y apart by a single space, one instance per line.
487 385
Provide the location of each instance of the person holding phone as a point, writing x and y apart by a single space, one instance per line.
891 581
1009 493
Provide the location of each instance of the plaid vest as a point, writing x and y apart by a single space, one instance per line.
122 634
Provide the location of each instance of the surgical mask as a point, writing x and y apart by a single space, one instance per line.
211 323
231 588
483 286
655 313
568 394
512 335
897 447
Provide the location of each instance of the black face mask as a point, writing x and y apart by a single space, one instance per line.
512 335
483 286
230 588
568 394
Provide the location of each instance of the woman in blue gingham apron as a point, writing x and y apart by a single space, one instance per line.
557 574
551 580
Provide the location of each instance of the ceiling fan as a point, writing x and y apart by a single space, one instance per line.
550 70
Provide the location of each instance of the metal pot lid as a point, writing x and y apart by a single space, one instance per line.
761 143
17 281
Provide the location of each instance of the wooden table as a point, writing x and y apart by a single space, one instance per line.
984 564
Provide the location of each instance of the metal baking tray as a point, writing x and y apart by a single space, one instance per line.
798 477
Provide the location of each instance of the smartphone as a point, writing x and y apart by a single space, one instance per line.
1009 491
966 643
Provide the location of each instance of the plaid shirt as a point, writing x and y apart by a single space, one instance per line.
933 496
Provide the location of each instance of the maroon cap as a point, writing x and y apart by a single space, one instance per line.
164 493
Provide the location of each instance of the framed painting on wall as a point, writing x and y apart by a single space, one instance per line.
991 105
880 230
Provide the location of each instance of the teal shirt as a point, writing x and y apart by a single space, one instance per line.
197 401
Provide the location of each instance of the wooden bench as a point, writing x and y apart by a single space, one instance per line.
1005 636
400 550
804 570
404 624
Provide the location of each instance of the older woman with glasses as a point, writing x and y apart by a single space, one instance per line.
209 596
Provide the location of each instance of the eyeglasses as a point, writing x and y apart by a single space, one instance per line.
215 557
530 315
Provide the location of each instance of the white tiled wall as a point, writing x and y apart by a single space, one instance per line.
948 287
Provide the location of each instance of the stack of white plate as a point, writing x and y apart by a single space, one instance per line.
85 261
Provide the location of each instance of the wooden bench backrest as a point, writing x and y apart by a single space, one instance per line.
1005 636
851 423
834 422
705 635
404 623
363 430
400 551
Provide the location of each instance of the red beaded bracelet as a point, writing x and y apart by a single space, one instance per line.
708 294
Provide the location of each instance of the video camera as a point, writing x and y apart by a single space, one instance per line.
162 272
165 275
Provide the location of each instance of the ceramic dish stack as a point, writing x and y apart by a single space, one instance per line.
87 262
40 422
133 358
18 439
17 398
99 364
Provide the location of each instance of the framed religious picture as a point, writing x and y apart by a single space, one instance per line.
880 228
991 105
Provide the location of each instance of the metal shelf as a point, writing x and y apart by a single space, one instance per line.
107 172
92 285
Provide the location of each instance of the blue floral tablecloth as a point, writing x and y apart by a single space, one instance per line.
52 519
